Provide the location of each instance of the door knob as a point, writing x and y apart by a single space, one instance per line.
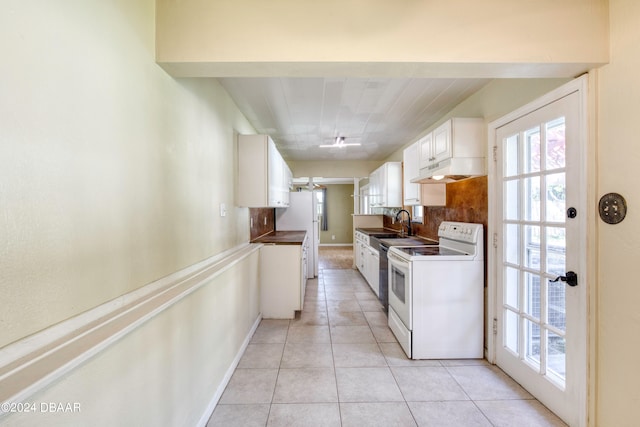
571 278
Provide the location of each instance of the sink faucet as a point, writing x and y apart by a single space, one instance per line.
408 223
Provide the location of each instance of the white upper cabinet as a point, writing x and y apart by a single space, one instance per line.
456 147
385 185
419 194
411 170
441 142
375 196
435 146
264 179
424 150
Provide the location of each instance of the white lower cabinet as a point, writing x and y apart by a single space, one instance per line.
368 261
282 280
373 270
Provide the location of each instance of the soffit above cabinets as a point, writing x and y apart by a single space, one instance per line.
382 114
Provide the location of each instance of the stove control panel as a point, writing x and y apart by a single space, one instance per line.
460 231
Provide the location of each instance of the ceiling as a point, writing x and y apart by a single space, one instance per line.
382 114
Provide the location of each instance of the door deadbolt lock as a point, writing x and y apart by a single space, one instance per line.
572 212
571 278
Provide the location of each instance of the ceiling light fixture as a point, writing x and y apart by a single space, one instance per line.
340 143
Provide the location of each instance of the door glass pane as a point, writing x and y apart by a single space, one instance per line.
532 342
511 330
555 152
556 361
555 192
512 287
556 312
511 199
532 198
511 155
512 244
556 245
532 246
532 147
532 294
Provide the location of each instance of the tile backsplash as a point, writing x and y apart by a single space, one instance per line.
262 221
467 201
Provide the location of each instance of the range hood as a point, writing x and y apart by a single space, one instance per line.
451 170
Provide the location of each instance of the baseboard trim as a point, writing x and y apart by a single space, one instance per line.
336 244
227 377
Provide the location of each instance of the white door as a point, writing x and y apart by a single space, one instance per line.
540 225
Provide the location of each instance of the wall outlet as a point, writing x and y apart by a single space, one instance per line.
223 209
265 220
333 237
393 220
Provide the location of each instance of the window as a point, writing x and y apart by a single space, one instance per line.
321 197
417 214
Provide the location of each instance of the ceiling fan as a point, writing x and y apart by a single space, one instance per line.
339 142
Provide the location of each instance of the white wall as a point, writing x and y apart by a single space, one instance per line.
111 176
112 172
618 246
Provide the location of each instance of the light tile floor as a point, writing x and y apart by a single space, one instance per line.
338 364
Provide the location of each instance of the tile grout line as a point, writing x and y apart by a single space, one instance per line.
275 386
333 359
467 394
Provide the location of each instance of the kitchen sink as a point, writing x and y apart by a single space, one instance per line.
386 235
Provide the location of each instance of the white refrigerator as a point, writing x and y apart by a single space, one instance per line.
302 214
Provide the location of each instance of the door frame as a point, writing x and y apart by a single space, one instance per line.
586 164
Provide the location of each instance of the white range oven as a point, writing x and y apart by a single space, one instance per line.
436 294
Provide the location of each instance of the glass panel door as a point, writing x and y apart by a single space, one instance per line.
539 319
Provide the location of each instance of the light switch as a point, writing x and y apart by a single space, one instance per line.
223 209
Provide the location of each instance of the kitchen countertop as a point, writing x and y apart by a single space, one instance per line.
282 238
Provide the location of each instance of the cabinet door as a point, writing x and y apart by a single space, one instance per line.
441 144
425 150
287 184
382 186
411 170
393 184
360 257
374 188
373 269
365 262
275 173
